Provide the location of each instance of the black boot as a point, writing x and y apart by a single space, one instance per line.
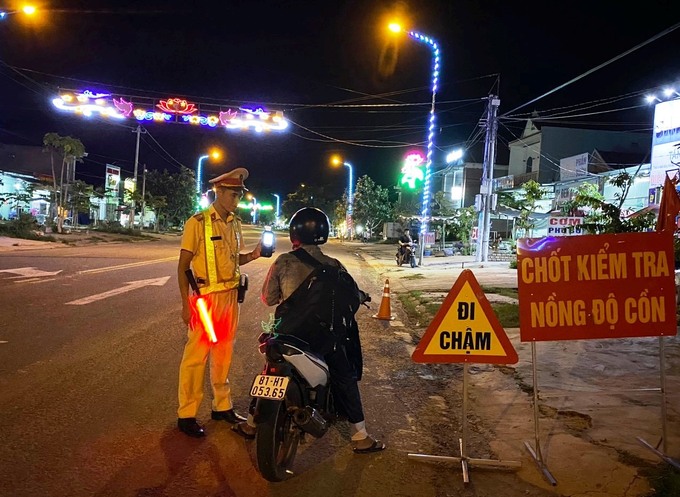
190 427
229 416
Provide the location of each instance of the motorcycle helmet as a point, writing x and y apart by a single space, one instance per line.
310 226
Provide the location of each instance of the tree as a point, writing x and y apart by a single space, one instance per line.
81 199
156 204
442 205
308 196
605 217
179 192
409 204
340 210
372 207
526 204
461 224
71 150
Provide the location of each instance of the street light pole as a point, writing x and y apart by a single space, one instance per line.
199 172
350 193
350 200
215 154
278 212
425 212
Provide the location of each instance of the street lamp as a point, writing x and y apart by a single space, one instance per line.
454 159
278 211
254 213
28 10
425 213
215 154
336 160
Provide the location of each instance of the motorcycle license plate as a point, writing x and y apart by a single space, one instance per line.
269 387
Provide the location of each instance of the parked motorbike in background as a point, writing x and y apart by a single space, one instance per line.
294 398
407 254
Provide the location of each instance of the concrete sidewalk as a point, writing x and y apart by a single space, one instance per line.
8 244
436 273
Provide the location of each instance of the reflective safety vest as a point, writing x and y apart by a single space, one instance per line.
213 285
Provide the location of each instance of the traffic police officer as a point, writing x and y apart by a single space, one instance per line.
211 246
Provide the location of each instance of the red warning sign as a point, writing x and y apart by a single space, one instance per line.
465 329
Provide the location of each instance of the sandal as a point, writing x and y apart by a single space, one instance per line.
376 446
237 428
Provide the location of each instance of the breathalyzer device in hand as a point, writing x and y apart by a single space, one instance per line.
268 242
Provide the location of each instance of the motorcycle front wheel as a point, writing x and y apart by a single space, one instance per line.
413 261
277 442
400 259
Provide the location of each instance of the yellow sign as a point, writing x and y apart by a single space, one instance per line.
465 329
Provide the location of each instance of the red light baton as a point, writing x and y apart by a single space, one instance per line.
202 307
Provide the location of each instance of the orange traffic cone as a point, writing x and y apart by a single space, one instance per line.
384 312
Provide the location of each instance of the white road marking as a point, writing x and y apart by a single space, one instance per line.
129 286
34 280
28 272
124 266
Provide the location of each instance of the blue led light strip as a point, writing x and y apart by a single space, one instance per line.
425 213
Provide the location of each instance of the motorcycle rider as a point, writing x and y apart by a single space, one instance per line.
405 240
309 229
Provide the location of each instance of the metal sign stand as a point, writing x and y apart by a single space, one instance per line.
464 460
536 455
664 423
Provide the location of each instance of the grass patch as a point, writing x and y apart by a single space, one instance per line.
422 309
506 292
417 276
664 480
508 314
410 301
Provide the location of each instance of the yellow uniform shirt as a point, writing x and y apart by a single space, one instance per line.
227 240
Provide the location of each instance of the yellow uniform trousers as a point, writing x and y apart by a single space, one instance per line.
224 309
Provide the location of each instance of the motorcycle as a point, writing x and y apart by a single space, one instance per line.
293 399
408 255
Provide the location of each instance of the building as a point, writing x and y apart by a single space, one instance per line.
23 169
538 153
463 181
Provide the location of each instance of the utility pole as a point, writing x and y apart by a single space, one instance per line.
486 195
141 226
134 179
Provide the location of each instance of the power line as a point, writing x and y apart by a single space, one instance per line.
597 68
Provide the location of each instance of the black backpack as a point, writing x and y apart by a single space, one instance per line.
321 310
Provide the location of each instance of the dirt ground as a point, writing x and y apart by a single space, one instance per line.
596 398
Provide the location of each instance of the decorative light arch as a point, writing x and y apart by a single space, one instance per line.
169 110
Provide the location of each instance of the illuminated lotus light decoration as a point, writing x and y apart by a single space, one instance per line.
170 110
411 171
177 106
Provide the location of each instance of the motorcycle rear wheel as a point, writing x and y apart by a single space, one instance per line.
277 442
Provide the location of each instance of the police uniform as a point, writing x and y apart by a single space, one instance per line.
215 244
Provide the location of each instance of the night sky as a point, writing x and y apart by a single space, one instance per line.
308 57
